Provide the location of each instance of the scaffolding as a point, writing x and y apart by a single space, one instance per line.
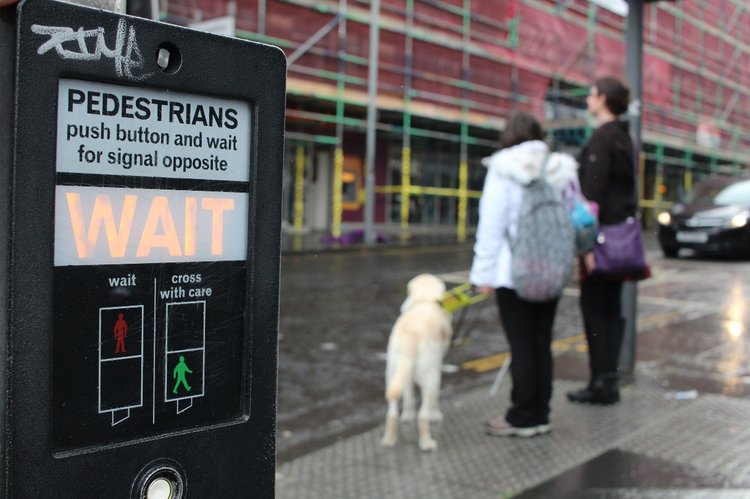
451 72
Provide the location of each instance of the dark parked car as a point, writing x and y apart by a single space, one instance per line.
713 218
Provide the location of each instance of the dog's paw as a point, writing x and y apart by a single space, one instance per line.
427 444
436 416
408 415
388 440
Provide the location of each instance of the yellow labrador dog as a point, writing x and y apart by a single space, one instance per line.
418 342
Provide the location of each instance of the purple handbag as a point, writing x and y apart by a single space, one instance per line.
619 249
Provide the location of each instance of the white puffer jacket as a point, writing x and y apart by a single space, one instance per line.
508 170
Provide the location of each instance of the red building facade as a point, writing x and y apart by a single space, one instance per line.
451 71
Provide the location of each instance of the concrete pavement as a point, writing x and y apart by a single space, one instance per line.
663 440
656 443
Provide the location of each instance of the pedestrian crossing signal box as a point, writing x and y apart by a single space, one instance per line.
141 172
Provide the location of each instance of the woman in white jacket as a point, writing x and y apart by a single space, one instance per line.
527 325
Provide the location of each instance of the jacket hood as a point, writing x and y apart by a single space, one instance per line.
523 163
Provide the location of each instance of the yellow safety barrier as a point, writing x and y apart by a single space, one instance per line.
428 191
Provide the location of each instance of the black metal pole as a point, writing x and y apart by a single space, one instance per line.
634 67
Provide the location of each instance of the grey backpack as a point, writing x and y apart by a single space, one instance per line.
544 246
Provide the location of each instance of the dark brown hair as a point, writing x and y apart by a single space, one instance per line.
616 94
522 126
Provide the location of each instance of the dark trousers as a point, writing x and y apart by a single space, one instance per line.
602 319
528 327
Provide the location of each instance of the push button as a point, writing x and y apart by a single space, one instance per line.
162 479
160 488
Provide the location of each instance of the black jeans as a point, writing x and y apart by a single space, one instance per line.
528 327
602 319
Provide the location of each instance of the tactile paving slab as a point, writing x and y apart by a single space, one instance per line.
708 433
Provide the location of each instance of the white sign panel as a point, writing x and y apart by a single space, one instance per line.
117 130
106 226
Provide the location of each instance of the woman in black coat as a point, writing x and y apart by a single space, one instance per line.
607 176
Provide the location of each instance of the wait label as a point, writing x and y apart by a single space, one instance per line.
105 226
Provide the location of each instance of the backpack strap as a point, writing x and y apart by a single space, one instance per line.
543 173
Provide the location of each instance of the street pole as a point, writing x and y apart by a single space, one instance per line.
634 68
372 110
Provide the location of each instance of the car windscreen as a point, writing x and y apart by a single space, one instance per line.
721 193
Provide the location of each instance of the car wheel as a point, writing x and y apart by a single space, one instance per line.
670 252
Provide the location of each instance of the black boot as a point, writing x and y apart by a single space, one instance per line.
582 396
606 389
602 390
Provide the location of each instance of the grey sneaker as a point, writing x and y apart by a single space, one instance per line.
543 429
498 427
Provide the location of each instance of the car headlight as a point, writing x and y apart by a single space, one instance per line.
739 220
664 218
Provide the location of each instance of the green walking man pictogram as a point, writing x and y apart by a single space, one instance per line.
179 373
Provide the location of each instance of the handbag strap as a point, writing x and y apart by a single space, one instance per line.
572 194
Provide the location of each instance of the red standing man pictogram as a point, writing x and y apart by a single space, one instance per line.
121 330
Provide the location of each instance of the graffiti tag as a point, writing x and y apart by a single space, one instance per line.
125 53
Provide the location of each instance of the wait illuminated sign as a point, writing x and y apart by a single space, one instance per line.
103 226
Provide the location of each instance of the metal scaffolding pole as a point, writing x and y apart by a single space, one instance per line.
406 148
372 110
262 17
463 168
299 188
338 155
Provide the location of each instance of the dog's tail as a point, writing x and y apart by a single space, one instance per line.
401 376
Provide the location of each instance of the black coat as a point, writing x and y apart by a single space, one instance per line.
607 172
